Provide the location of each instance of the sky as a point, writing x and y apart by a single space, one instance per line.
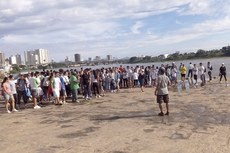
121 28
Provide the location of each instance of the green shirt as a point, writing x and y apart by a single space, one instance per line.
73 82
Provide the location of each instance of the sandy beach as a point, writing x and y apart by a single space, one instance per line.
124 122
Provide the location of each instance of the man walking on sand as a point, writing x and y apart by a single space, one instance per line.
162 91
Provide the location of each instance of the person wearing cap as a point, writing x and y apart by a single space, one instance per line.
223 72
162 92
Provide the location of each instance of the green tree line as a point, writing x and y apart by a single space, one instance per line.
223 52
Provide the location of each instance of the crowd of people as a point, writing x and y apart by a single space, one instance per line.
57 86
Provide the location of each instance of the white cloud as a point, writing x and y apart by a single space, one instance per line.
93 26
136 27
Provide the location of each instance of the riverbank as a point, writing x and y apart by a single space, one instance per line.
124 122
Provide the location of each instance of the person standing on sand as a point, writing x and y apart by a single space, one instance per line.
162 91
195 73
223 73
209 67
56 88
34 84
201 70
183 70
8 95
74 86
141 79
174 73
190 70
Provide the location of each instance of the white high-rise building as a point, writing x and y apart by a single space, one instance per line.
15 59
36 57
42 56
2 59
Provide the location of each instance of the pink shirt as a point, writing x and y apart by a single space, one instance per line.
6 88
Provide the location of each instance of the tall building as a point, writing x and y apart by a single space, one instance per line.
42 56
15 59
109 57
2 59
77 58
12 60
36 57
97 58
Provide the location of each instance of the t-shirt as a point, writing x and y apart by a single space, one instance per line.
85 79
13 86
191 66
183 70
66 79
195 70
73 82
7 88
135 76
162 82
174 72
34 83
56 83
62 83
21 84
130 73
201 70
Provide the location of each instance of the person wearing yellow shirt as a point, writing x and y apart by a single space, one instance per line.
183 72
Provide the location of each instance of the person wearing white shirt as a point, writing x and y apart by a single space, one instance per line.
135 78
195 73
174 73
190 70
201 70
56 88
153 75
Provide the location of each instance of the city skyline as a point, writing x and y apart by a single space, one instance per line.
121 28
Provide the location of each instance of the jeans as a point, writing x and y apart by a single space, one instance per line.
20 95
87 90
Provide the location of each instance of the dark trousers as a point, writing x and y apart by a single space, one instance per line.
22 94
96 88
87 90
210 75
74 94
221 75
126 85
190 73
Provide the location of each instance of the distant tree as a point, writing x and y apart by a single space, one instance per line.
226 50
200 53
133 59
147 58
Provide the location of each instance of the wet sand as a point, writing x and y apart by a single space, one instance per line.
124 122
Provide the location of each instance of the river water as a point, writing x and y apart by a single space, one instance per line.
215 62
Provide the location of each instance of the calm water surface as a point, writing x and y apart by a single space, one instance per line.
215 62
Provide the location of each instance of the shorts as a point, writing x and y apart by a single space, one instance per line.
162 98
40 91
8 97
62 92
173 78
182 75
34 92
195 77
